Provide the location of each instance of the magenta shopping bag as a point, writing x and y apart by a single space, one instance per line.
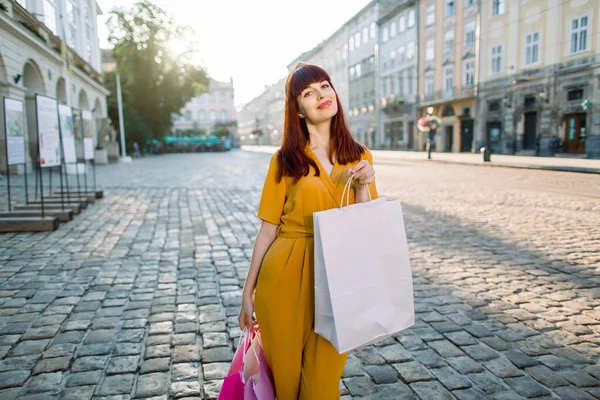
249 376
260 385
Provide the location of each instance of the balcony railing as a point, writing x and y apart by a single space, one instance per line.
44 33
457 92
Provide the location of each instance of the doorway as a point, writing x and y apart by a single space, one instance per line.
575 132
466 135
529 136
449 138
411 135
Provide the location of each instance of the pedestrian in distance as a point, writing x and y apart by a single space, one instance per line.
307 174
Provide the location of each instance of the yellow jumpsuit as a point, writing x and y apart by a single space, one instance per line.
304 365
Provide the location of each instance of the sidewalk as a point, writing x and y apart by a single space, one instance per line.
544 163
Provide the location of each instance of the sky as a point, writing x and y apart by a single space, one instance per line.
251 41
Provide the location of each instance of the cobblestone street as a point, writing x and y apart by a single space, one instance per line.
138 296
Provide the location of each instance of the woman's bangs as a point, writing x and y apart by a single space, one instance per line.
305 76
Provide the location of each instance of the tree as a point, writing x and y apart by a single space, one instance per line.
156 80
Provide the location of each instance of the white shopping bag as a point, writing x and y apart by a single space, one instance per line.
363 280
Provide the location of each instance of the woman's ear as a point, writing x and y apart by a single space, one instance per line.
301 115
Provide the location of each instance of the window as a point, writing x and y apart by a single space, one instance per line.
212 115
470 34
357 40
72 13
223 115
449 42
400 84
579 33
498 7
469 2
212 97
410 80
402 23
393 29
384 87
345 52
88 33
358 70
430 15
188 115
411 18
449 8
365 35
429 84
496 59
392 59
430 50
372 30
401 54
448 78
469 73
392 85
352 72
575 94
410 50
385 34
351 43
532 48
201 115
50 15
222 97
494 106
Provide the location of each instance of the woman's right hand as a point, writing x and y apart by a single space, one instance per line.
246 311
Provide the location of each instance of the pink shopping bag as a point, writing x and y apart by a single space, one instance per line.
249 376
259 386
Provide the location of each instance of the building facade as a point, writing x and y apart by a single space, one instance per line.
448 55
209 110
31 62
363 107
540 70
260 121
397 76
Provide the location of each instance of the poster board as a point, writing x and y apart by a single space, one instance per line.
88 139
67 132
15 135
48 132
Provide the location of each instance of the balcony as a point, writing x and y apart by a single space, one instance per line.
442 96
392 104
44 34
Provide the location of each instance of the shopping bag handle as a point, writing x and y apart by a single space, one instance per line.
346 192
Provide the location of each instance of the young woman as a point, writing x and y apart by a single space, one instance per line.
317 157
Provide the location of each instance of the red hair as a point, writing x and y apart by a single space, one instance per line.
292 159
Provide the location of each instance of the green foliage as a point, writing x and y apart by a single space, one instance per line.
221 132
155 80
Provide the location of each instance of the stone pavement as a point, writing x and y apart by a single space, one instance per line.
138 296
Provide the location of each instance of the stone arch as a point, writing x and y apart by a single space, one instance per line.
83 100
448 111
33 82
61 90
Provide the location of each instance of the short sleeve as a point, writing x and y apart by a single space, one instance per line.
372 186
272 200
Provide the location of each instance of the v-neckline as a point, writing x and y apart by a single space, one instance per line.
320 165
330 181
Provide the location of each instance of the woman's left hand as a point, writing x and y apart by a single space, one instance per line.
364 173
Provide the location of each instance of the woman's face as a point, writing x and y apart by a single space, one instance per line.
317 103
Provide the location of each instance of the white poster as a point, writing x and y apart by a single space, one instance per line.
15 136
88 139
67 133
48 133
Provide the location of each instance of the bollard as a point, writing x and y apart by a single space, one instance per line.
485 152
